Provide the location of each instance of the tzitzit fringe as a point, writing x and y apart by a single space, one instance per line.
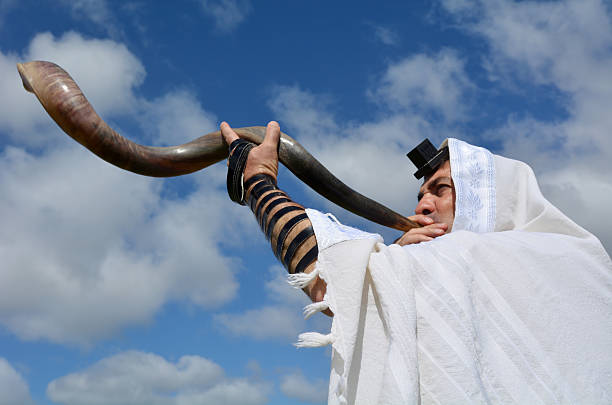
314 339
301 280
311 309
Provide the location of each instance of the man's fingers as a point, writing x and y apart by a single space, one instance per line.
424 234
228 133
433 231
410 239
426 221
421 219
272 135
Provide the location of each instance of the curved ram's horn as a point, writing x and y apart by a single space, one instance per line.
67 105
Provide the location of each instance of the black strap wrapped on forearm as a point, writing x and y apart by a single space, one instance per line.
263 198
280 240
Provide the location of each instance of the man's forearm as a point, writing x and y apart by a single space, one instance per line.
283 221
285 224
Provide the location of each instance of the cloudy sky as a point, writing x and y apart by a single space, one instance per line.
119 289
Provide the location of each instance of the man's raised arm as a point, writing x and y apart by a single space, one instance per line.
283 221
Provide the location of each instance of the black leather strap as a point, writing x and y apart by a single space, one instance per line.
280 241
256 178
257 192
262 184
295 244
308 258
235 169
262 202
235 143
278 215
263 216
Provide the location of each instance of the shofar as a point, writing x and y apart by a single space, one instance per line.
66 104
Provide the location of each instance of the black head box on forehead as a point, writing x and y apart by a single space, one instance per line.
427 158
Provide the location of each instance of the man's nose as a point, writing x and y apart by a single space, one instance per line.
426 206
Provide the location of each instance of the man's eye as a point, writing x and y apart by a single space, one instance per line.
442 187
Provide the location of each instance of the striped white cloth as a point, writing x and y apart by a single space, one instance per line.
513 307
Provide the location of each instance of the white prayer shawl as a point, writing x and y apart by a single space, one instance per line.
514 306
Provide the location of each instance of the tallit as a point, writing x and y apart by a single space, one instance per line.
514 306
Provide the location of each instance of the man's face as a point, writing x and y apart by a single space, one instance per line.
437 197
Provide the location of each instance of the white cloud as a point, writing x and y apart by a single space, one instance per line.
295 385
227 14
455 6
13 388
303 111
427 83
274 321
563 44
583 197
566 45
87 248
176 118
281 319
104 239
138 378
278 290
385 35
96 11
108 86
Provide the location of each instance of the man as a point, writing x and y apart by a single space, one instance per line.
513 306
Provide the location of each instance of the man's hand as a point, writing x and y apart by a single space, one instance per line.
429 231
263 159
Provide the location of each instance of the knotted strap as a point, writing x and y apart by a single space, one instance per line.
239 152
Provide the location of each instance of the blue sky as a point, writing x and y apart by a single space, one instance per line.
121 289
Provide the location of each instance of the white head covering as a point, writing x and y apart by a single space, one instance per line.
495 193
514 306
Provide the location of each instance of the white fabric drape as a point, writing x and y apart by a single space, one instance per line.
513 307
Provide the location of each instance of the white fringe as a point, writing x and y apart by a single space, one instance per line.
311 309
313 339
301 280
